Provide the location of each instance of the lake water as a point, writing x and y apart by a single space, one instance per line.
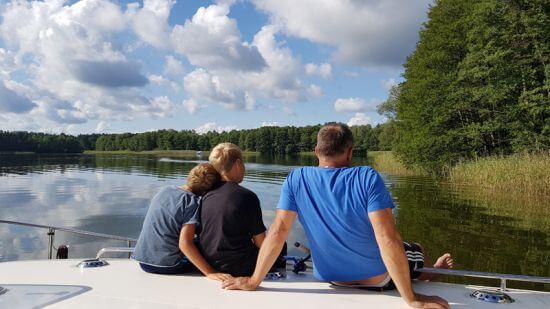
110 194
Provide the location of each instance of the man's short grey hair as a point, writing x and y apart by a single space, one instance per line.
334 139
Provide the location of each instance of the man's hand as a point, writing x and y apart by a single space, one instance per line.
219 276
240 283
425 301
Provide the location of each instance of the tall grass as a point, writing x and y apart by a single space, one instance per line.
385 161
519 176
525 174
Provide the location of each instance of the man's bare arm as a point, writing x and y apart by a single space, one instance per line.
269 251
395 259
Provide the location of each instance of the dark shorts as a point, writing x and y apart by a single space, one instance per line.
247 265
240 268
415 256
183 267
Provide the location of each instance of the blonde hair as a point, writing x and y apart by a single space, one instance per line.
202 178
223 156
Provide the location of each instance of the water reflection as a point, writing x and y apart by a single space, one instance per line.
110 194
446 220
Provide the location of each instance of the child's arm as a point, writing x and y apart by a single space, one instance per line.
259 239
188 247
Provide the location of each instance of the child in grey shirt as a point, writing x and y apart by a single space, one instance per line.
165 244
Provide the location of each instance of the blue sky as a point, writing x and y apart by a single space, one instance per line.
125 66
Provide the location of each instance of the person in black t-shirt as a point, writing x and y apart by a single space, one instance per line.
232 229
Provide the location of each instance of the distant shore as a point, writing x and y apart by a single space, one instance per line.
17 152
521 175
172 153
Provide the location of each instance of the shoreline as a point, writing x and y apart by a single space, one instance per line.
518 175
174 153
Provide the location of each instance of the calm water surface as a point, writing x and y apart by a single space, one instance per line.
110 194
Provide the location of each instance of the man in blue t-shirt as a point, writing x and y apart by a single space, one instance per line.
347 215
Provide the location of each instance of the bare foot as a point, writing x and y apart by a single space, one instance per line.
445 262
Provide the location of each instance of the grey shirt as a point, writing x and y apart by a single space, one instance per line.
170 209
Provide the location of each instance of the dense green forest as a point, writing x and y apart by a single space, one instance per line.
477 85
45 143
266 140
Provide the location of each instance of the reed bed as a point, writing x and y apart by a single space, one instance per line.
386 162
524 174
523 177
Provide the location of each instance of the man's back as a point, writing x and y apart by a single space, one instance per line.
230 217
333 206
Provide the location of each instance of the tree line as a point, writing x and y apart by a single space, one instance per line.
266 140
45 143
478 84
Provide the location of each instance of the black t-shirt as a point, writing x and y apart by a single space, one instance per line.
230 216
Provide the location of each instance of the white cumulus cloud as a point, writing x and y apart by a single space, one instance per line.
75 67
213 126
102 127
157 107
280 79
192 106
349 105
315 91
150 22
324 69
173 66
163 81
212 40
367 33
359 119
202 84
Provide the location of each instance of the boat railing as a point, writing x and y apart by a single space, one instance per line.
488 295
477 274
52 229
498 296
103 251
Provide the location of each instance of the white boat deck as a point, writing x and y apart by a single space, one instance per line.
122 284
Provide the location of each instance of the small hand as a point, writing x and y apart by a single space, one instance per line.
425 301
239 283
219 276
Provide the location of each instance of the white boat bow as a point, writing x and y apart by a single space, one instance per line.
122 284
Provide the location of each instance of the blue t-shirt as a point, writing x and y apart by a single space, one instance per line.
333 206
170 209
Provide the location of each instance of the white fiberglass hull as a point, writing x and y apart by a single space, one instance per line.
122 284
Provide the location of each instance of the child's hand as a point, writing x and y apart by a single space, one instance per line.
219 276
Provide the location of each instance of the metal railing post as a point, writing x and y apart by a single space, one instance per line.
51 234
53 229
129 246
503 285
